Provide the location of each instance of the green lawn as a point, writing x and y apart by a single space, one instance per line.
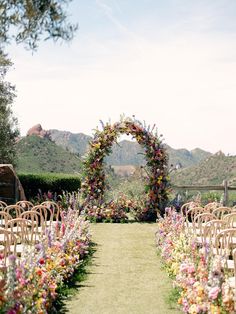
125 275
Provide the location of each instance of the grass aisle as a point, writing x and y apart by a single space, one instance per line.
124 276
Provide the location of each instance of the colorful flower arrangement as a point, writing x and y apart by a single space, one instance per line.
105 214
29 285
155 154
200 278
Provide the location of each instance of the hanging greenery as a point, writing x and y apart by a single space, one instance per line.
155 155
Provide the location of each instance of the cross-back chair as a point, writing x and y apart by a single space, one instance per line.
220 212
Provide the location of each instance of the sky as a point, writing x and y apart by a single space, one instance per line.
168 62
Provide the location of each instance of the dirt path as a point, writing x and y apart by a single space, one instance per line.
125 275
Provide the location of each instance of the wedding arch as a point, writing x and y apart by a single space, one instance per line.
156 157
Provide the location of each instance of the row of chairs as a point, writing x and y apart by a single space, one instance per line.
22 229
49 210
214 229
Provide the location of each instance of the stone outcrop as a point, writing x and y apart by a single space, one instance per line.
38 131
11 189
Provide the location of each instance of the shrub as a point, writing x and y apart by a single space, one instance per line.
55 183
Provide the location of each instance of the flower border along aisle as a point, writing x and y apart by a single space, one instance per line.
200 279
156 157
30 286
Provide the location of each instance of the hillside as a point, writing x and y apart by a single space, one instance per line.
36 154
74 142
212 170
125 152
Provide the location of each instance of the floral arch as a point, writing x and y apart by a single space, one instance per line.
155 155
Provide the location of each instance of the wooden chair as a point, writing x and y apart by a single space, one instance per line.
25 205
225 242
13 210
199 225
232 280
4 217
21 228
190 215
185 207
37 225
211 206
54 212
220 212
2 205
230 219
7 246
210 231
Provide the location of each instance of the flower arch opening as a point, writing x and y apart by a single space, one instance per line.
156 163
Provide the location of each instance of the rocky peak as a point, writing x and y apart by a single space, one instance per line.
38 131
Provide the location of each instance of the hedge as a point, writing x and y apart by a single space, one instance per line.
53 182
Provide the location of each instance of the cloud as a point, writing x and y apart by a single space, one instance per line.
109 13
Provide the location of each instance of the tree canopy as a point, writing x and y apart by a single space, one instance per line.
30 21
8 124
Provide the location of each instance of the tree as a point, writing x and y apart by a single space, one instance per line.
30 21
8 124
25 21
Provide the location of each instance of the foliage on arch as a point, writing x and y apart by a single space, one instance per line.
155 155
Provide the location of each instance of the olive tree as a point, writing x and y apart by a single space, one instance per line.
30 21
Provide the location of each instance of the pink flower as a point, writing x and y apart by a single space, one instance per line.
183 267
213 293
191 269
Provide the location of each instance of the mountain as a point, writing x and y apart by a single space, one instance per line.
126 152
37 154
212 170
60 151
74 142
185 158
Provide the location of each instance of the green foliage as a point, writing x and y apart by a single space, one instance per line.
31 20
56 183
172 297
132 187
8 124
37 155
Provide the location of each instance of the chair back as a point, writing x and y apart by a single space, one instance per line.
2 205
220 212
4 217
7 246
13 210
25 205
225 241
